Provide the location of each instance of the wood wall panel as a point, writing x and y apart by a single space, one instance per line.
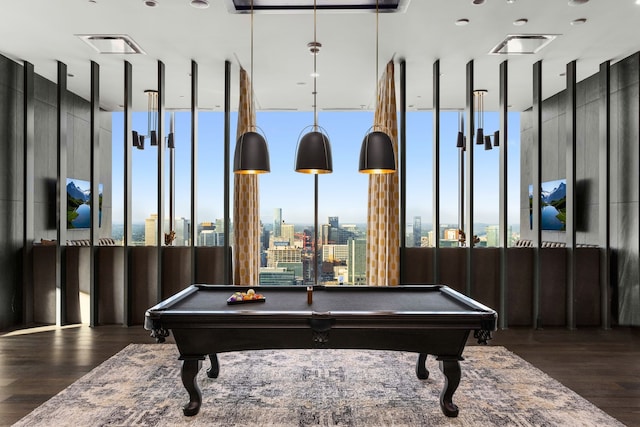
110 271
519 286
176 269
143 272
210 265
418 263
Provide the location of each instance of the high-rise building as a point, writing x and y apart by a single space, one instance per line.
356 261
150 230
208 234
276 276
207 238
181 227
493 235
333 253
417 231
287 232
284 253
277 222
334 222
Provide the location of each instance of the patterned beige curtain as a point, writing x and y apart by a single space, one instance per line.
383 217
246 219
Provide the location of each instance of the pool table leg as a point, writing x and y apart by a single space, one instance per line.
421 367
214 370
451 370
190 368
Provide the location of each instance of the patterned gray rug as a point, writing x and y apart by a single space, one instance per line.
141 386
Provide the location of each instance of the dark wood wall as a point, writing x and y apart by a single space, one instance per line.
519 287
624 181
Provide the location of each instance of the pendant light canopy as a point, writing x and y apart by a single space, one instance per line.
251 155
377 154
313 154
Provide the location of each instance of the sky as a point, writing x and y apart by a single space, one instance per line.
342 193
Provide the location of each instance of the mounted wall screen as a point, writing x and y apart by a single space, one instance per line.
292 6
522 44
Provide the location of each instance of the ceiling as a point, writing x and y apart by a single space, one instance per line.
45 31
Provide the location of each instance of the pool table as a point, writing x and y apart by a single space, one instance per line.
425 319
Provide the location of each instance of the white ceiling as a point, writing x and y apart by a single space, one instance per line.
44 31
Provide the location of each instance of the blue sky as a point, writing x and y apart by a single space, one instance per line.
342 193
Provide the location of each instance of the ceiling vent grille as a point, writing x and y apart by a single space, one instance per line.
300 6
111 43
522 44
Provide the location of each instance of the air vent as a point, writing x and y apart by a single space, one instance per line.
293 6
111 43
522 44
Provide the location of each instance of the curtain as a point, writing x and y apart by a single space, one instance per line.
383 216
246 219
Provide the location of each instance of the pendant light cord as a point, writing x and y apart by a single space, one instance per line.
316 51
251 106
376 101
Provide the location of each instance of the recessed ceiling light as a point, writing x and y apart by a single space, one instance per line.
577 2
462 22
150 3
314 75
578 21
520 22
511 1
200 4
477 1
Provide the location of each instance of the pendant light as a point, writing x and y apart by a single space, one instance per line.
152 121
314 149
479 97
251 155
376 154
461 140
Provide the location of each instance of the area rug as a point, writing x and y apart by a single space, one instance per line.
141 386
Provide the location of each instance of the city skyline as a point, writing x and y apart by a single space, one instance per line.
342 193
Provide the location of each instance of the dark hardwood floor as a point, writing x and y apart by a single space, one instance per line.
602 366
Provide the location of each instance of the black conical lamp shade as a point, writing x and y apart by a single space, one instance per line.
314 154
460 141
251 155
480 136
487 142
376 154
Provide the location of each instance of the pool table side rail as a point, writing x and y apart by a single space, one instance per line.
162 316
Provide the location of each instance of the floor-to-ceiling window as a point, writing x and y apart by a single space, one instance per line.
287 198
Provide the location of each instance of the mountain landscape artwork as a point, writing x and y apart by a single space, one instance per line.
553 204
79 204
